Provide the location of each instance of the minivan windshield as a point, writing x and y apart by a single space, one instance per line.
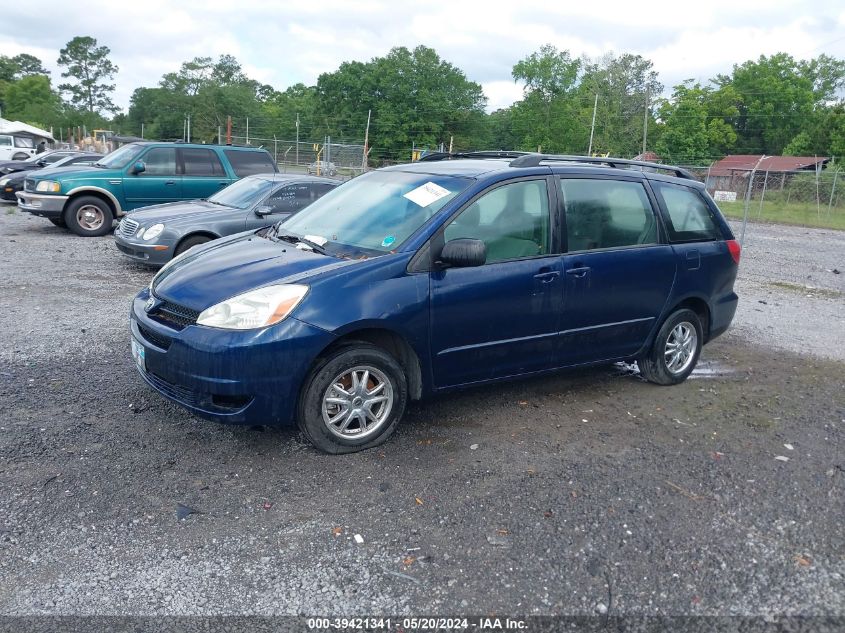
242 194
120 157
377 211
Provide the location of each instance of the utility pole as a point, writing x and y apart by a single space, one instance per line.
451 138
297 138
229 130
184 127
189 128
593 125
142 130
247 131
220 135
366 140
645 120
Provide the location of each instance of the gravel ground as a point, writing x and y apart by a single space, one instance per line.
583 493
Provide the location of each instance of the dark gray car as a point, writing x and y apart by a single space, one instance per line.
156 234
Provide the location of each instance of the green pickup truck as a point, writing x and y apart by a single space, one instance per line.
87 200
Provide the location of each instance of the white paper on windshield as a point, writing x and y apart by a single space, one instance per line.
426 194
319 240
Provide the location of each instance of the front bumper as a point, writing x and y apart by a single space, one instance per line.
229 376
47 206
156 254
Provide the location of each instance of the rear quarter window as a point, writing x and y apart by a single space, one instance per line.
249 163
688 217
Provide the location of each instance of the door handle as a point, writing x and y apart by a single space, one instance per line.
170 182
547 277
580 271
222 184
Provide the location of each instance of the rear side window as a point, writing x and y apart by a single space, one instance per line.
22 141
689 216
249 163
607 214
201 162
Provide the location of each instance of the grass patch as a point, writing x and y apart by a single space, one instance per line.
797 213
11 210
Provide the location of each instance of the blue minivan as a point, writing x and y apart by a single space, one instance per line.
453 271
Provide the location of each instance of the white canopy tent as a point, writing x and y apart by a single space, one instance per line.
23 129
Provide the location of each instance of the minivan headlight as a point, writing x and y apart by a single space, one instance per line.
3 181
254 309
48 185
151 233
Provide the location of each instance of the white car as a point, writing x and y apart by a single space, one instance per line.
13 147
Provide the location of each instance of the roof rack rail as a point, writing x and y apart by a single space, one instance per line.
533 160
481 154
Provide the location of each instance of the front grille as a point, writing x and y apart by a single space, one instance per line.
203 401
155 338
127 227
174 315
29 184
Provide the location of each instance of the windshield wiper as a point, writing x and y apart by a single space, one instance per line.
295 239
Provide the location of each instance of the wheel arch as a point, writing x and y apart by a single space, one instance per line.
393 343
201 233
98 192
701 308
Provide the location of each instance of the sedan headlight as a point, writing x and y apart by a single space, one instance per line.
48 185
151 233
254 309
3 181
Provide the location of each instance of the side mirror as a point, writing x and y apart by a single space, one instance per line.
139 167
262 211
41 163
463 253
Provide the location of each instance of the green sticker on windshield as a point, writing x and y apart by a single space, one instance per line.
388 241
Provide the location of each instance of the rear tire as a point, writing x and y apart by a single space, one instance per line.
58 222
89 216
188 243
675 351
20 156
353 399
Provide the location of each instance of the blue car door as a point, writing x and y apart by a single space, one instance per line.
617 273
499 319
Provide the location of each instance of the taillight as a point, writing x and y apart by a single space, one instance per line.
735 249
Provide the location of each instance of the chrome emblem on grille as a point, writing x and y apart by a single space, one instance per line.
151 303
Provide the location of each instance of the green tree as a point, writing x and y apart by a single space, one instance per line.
19 66
696 124
416 99
90 66
626 85
780 98
547 115
32 100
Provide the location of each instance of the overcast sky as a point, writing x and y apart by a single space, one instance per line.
294 42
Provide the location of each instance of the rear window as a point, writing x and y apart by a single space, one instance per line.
249 163
690 218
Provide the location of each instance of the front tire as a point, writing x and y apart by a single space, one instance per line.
88 216
675 351
188 243
353 399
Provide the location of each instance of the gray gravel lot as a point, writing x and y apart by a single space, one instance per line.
588 492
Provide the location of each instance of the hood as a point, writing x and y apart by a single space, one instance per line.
171 212
83 171
231 266
15 166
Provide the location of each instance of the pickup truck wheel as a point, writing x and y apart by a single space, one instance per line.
189 243
675 351
59 222
88 216
353 399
